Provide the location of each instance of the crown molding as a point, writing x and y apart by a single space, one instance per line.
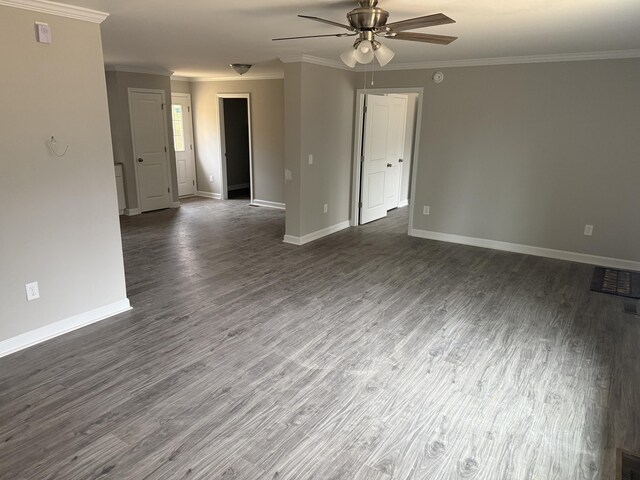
59 9
180 79
134 69
274 76
314 60
479 62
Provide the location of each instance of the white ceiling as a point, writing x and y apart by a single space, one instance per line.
199 38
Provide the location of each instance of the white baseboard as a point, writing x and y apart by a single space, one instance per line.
267 203
39 335
132 211
239 186
215 196
121 211
403 203
175 204
316 235
528 250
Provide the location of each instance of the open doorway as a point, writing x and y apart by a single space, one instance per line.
387 138
235 146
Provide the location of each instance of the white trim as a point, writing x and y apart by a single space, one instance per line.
178 78
239 186
59 9
132 211
528 250
480 62
325 62
316 235
403 203
266 76
269 204
133 69
215 196
189 139
175 204
223 159
42 334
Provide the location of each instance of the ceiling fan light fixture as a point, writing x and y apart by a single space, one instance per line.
383 53
348 57
364 52
241 68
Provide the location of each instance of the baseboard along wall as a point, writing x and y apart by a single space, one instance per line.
293 240
528 250
269 204
42 334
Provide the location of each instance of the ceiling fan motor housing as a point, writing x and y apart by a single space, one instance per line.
367 18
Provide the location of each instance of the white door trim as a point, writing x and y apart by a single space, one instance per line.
223 160
357 146
131 90
192 150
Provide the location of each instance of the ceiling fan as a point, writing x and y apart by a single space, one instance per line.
369 21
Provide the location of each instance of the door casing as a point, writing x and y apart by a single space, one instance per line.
223 161
189 141
357 147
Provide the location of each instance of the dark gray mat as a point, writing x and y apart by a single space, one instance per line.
616 282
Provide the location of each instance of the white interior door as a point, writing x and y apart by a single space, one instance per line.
382 155
395 149
149 130
183 143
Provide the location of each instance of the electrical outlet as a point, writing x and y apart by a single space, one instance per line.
211 178
310 159
33 291
326 208
588 230
426 210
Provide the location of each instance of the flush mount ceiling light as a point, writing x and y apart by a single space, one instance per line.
241 68
368 21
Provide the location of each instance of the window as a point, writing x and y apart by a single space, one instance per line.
178 128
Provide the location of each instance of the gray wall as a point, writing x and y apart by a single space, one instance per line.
321 101
267 117
529 154
59 221
118 84
180 86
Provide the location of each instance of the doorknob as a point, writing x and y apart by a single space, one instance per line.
389 165
400 160
140 160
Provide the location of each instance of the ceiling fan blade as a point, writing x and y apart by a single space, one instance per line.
316 36
424 37
329 22
419 22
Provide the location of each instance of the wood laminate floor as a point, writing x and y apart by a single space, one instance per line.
364 355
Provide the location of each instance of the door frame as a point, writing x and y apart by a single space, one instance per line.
223 159
193 139
357 147
167 157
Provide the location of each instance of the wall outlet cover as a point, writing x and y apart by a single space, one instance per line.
33 291
588 230
426 210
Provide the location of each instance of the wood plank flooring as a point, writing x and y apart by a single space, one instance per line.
366 355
